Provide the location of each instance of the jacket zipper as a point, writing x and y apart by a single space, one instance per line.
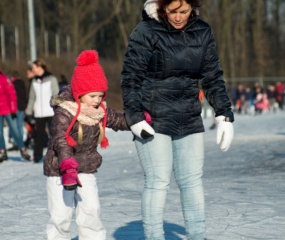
151 95
151 99
182 115
184 36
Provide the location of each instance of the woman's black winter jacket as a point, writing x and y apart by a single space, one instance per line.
162 67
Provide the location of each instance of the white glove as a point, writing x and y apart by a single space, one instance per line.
142 130
225 133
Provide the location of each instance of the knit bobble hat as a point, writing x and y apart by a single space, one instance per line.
88 76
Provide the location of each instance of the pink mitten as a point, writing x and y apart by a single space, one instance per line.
69 179
148 118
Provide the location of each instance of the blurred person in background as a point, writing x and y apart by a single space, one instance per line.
240 97
30 120
261 102
21 93
232 92
62 81
30 75
168 51
44 85
271 93
280 87
248 102
257 88
8 112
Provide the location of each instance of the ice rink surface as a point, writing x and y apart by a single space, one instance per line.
244 188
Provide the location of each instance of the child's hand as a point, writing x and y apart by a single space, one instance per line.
69 179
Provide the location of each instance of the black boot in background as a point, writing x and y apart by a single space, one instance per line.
3 155
25 155
13 148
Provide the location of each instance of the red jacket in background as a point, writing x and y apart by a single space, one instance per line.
279 91
8 97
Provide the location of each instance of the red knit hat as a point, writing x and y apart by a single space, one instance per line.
88 76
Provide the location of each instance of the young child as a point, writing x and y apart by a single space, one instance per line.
78 126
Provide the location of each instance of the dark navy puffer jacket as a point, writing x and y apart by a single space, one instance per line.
162 67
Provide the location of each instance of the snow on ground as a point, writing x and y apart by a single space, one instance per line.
244 188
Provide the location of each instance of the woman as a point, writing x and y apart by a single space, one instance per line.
8 112
169 50
43 86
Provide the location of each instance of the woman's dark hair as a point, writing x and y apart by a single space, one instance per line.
41 63
195 4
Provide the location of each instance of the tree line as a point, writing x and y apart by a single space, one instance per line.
249 33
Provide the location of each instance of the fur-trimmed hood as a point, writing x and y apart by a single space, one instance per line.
88 115
150 6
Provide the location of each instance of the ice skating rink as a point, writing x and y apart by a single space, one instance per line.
244 188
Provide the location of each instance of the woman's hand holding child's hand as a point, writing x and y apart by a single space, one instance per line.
142 130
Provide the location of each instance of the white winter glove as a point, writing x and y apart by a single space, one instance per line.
142 130
225 133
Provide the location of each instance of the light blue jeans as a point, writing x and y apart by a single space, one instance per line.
19 121
14 131
159 156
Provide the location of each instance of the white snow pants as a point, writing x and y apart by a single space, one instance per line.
87 205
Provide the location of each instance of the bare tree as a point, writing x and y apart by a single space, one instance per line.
85 20
249 33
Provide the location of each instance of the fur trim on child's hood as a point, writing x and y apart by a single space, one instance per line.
88 115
